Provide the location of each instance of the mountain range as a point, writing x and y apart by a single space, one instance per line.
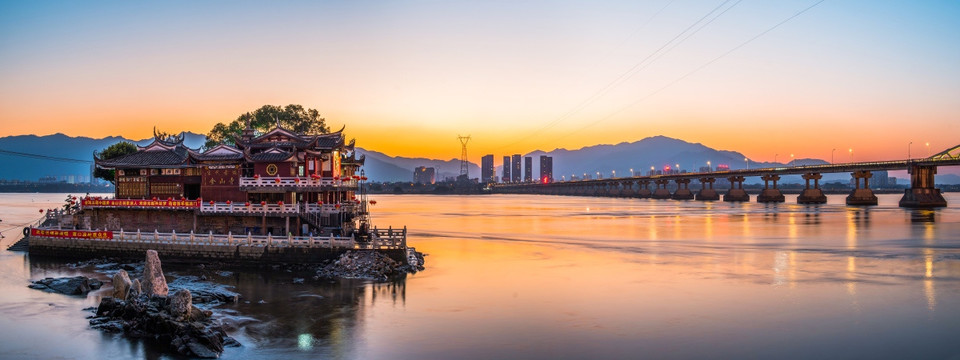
656 152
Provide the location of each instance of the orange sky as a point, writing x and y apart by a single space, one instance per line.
407 79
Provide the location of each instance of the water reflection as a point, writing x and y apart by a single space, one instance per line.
538 277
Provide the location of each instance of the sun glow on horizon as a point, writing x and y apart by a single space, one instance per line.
406 78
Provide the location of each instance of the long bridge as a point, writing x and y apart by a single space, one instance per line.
921 194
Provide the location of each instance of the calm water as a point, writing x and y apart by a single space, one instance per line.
572 277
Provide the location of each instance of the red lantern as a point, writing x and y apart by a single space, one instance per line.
211 202
373 202
41 211
263 203
74 197
336 177
277 180
154 198
280 203
228 202
170 199
296 180
247 204
364 178
337 206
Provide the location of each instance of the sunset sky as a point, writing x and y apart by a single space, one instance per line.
408 77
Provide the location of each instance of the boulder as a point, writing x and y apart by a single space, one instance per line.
121 285
78 285
181 305
135 289
154 284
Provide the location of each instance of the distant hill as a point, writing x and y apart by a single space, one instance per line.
656 151
401 168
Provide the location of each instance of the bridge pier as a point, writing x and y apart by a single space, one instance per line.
683 192
922 193
814 195
661 192
862 196
707 193
736 192
770 194
644 191
626 189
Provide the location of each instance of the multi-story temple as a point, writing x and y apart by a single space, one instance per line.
279 183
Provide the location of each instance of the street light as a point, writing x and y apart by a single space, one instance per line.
831 155
791 159
851 154
746 161
632 174
614 174
709 168
928 149
908 150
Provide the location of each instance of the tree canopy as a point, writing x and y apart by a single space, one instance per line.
292 117
113 151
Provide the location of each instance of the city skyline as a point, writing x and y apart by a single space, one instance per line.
796 77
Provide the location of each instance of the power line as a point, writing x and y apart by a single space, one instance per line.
674 82
43 157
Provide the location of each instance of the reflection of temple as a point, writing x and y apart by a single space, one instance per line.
278 182
318 317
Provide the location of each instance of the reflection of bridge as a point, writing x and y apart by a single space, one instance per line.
921 194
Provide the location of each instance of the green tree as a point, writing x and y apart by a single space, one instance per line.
113 151
291 117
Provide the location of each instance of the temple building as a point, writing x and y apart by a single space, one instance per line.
279 182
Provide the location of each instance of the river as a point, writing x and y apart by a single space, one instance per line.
517 276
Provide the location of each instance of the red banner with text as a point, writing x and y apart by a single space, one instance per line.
181 204
72 234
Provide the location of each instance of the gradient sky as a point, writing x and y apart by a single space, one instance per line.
407 77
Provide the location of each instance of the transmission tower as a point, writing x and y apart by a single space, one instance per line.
464 169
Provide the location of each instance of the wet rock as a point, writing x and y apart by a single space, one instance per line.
135 289
78 285
169 320
206 293
121 284
154 284
361 264
181 304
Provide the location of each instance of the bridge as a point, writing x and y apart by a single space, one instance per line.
921 194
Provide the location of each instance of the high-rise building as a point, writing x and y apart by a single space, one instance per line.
506 169
487 172
546 169
515 168
425 175
527 169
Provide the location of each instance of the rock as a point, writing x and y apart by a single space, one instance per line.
94 283
154 284
78 285
152 314
361 264
135 289
181 305
121 284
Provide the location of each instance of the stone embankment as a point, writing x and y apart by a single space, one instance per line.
146 310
